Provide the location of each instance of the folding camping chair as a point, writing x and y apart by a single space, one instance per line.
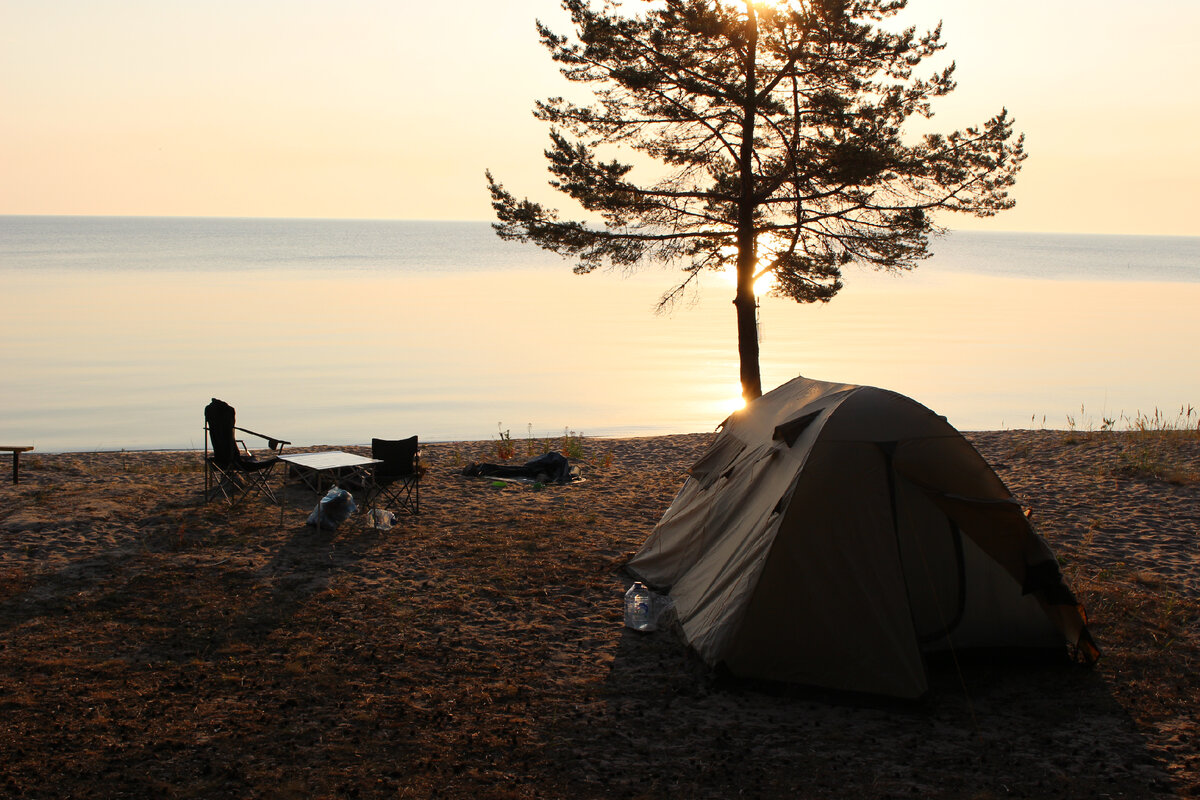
398 478
230 469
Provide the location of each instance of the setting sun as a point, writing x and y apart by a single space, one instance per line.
762 284
733 403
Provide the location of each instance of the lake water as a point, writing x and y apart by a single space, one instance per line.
117 331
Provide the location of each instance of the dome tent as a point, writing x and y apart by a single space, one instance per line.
834 534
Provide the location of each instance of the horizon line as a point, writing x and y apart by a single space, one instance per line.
483 221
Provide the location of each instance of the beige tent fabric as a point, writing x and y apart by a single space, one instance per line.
833 533
855 628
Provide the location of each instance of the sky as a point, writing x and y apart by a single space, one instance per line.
393 109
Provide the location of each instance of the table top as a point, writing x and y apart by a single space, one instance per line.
333 459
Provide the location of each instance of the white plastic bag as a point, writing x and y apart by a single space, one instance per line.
335 508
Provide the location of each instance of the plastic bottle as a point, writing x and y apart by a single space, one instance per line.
639 604
382 519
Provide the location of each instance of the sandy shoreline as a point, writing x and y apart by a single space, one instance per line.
152 645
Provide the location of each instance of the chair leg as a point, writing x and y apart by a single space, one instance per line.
403 494
235 486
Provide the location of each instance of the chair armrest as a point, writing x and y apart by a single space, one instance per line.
273 444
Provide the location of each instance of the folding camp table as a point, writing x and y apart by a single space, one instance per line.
314 468
16 450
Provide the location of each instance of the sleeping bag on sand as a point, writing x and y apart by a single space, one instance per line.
548 468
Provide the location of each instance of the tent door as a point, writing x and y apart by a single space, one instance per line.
930 548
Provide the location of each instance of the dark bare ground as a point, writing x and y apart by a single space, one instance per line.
151 646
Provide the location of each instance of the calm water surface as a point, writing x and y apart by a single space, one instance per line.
118 330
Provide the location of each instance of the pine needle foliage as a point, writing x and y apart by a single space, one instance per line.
780 130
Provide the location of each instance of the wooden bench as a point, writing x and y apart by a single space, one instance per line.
16 450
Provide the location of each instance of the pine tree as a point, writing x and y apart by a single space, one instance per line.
780 128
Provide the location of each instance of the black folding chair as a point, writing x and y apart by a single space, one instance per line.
398 479
230 469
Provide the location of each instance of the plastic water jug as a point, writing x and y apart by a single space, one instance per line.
639 608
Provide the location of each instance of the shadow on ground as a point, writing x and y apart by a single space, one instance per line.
671 728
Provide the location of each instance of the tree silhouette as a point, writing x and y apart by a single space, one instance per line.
780 132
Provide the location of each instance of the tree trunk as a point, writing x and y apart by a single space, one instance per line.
747 323
747 249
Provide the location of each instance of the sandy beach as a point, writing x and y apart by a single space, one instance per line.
155 646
